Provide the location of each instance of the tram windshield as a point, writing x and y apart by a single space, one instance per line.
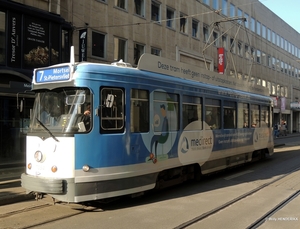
62 111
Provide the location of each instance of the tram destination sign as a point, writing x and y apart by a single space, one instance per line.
52 74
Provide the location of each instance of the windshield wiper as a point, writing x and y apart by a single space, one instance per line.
47 129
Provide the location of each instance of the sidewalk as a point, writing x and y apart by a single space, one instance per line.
12 192
10 186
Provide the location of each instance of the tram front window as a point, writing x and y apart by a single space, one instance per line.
62 111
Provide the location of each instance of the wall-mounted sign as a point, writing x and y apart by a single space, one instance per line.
83 45
14 40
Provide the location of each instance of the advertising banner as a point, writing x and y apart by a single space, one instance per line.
36 42
221 60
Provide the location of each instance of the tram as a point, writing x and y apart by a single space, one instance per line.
99 131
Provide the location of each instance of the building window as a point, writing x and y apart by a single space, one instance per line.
247 21
216 38
239 75
263 58
278 40
155 11
232 10
195 28
205 33
282 66
139 7
138 51
224 41
269 61
232 45
121 4
170 18
252 24
278 90
269 34
183 22
98 41
258 81
247 52
258 56
273 38
252 53
240 48
216 4
258 29
263 31
269 86
274 63
155 51
119 49
277 64
206 2
224 7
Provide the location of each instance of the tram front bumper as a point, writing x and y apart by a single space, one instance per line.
43 185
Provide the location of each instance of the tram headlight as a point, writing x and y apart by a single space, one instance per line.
38 156
85 168
29 166
54 169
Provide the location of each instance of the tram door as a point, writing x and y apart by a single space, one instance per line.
14 123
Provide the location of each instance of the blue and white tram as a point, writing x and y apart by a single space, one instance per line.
99 131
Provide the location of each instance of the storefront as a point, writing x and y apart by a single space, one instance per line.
29 38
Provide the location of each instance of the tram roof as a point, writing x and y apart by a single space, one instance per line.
154 64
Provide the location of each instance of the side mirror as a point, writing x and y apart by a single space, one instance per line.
21 106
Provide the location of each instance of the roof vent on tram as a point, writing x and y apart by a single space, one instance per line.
121 63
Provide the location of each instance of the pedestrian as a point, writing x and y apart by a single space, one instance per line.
276 130
283 128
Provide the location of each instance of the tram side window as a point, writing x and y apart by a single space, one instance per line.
265 116
191 111
229 113
112 110
139 111
165 112
255 117
212 113
243 115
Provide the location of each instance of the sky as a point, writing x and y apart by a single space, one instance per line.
287 10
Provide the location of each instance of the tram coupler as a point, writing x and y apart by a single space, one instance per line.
38 196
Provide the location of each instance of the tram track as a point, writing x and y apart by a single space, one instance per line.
259 221
35 216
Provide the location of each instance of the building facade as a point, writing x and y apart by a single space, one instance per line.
241 39
31 35
260 47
